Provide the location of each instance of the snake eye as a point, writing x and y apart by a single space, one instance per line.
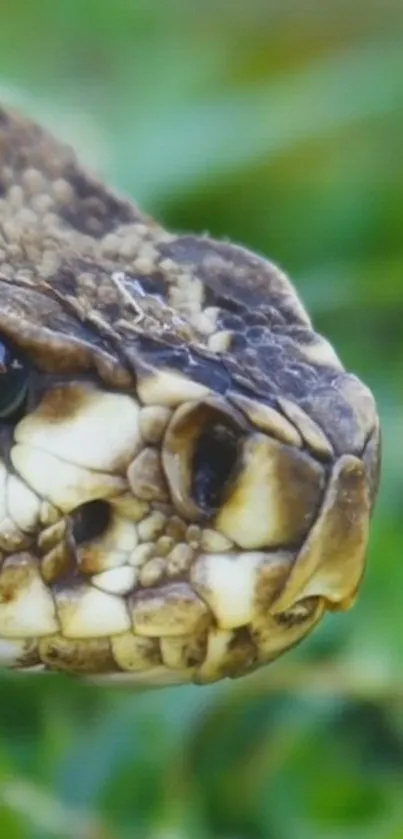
214 463
13 382
200 456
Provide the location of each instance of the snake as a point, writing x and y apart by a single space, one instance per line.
187 471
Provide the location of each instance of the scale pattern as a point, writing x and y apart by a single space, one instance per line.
139 340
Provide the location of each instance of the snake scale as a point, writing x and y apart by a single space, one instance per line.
187 472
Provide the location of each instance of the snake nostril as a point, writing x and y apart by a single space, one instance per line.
90 520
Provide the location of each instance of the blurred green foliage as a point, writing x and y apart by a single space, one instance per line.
278 124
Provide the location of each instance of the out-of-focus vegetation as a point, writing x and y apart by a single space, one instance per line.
278 124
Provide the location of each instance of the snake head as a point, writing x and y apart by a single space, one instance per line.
187 472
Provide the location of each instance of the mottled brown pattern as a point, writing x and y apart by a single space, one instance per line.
129 288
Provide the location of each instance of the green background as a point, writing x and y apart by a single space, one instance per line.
280 125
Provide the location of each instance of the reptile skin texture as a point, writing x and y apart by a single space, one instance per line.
187 471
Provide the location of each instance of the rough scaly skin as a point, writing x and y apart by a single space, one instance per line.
141 344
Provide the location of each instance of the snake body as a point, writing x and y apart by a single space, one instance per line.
187 472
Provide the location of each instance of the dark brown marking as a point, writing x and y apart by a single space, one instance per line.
62 403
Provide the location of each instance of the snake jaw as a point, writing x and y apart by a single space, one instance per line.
191 486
